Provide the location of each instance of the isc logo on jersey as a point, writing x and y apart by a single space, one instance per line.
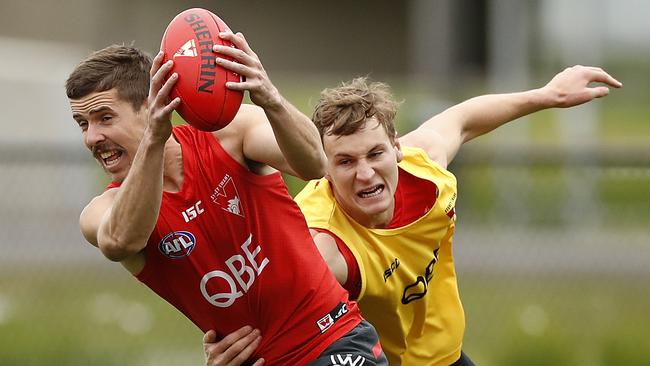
177 244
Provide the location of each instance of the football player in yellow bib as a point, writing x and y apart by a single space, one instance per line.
384 215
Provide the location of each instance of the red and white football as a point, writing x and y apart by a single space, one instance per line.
206 103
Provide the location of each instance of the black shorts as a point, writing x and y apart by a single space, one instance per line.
358 347
463 361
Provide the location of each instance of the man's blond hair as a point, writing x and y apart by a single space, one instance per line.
345 109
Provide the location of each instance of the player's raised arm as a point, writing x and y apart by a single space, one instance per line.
296 148
442 135
120 222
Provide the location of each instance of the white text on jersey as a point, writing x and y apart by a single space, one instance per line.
238 268
192 212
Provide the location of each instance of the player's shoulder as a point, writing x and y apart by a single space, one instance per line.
100 202
315 192
248 114
92 214
247 117
424 165
108 194
431 143
424 155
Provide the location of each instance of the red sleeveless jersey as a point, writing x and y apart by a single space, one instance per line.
232 249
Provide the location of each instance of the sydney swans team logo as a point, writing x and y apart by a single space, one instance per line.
227 197
187 50
177 244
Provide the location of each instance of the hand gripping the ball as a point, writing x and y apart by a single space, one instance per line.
158 101
247 64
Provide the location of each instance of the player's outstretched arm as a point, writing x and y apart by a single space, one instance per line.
120 223
442 135
296 148
233 350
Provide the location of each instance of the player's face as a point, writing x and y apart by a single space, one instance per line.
111 130
362 169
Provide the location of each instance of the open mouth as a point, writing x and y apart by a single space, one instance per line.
110 158
371 192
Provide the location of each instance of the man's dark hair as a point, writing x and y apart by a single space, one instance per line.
124 68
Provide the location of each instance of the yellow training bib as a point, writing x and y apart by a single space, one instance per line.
409 291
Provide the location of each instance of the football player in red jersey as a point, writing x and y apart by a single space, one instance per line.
204 218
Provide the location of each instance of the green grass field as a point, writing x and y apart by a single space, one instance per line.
84 316
556 321
79 316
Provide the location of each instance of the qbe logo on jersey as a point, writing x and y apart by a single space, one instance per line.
178 244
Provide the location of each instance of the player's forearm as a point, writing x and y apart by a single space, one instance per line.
483 114
298 139
126 227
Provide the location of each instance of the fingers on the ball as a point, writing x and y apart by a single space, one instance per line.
230 36
171 106
232 66
243 43
259 362
241 86
158 79
227 34
166 89
239 41
231 52
157 61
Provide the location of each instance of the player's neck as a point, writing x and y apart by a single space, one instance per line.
380 220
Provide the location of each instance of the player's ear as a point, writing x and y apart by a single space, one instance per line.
398 150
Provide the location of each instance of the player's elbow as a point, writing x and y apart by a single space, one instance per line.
313 174
117 251
316 169
113 253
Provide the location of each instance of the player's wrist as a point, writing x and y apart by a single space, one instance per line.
153 138
545 97
273 102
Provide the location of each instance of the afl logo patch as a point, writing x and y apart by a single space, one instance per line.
177 244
